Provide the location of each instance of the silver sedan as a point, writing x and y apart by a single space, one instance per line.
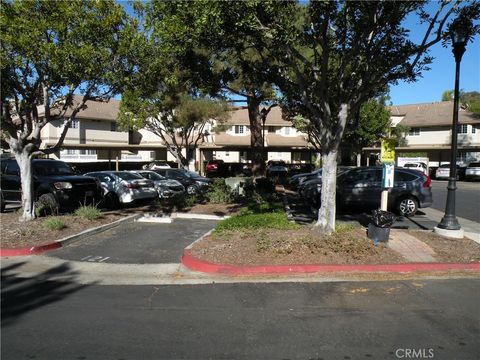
122 187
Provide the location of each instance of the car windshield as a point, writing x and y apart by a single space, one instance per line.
192 174
52 168
128 176
476 164
153 176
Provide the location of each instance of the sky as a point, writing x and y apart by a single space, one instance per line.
439 78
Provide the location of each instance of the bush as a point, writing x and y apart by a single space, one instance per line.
219 192
54 223
274 220
88 212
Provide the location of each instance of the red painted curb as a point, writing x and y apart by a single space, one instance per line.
29 250
196 264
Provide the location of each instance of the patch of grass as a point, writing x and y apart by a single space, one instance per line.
341 228
274 220
54 223
88 212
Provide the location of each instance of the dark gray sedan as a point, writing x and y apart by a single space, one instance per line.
362 186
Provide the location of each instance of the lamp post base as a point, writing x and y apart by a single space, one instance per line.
455 234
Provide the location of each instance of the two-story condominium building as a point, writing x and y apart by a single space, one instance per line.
281 140
95 136
430 131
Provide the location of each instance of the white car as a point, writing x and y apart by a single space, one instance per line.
443 172
155 165
473 171
420 166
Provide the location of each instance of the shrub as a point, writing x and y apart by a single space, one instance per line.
275 220
54 223
183 202
219 192
88 212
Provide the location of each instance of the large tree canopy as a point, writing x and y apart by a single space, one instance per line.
341 54
203 37
49 52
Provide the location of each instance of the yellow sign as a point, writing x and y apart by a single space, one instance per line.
387 153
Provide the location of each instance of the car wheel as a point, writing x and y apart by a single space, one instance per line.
407 206
191 190
47 204
111 201
2 203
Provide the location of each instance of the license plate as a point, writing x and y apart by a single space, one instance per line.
89 193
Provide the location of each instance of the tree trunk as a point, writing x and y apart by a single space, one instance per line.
326 215
182 161
256 136
24 161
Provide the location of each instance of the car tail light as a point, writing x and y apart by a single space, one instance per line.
212 167
130 185
427 182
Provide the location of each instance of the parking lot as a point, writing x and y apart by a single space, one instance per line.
137 243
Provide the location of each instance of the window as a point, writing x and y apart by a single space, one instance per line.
227 153
287 130
239 129
74 124
88 152
414 132
463 129
72 152
474 130
113 126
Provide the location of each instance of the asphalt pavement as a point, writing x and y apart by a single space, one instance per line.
137 243
467 198
45 319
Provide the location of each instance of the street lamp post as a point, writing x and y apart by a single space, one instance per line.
449 226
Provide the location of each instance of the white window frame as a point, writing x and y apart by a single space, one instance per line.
462 129
239 129
75 124
287 130
414 131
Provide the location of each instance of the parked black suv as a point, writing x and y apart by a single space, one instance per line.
193 183
55 185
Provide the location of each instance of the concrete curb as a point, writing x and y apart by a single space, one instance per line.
64 241
195 264
179 215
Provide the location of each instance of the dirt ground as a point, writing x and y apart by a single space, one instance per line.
305 246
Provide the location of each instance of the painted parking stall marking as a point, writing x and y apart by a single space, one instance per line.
91 258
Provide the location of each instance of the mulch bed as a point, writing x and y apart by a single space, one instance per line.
448 249
18 234
305 246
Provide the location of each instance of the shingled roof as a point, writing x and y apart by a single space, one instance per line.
106 110
432 114
274 117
